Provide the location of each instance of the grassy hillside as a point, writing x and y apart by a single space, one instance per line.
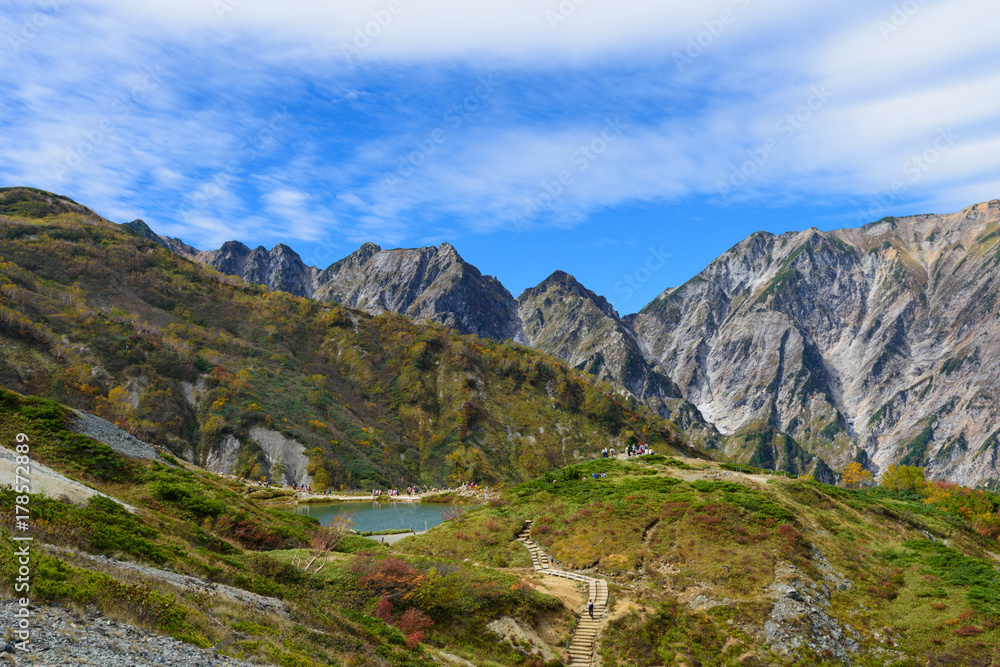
98 318
715 567
197 524
708 565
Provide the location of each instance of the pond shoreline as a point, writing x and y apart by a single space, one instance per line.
392 539
319 498
445 496
380 518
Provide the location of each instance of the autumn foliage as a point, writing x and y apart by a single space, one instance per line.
855 476
981 509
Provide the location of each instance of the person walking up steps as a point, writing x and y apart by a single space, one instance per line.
590 608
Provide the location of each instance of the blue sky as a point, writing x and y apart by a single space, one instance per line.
627 142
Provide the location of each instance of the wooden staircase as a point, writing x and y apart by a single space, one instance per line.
583 644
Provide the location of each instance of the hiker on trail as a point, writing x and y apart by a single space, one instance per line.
590 608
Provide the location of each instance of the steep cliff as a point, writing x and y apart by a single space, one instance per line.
885 337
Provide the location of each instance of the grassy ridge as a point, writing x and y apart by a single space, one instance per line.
704 556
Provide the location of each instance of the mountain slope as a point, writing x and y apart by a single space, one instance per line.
712 566
808 350
261 383
428 284
886 336
563 318
177 552
437 285
278 269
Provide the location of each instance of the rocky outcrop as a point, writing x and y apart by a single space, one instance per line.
275 449
114 437
290 453
223 457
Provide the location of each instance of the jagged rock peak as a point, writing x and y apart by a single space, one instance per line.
235 248
140 228
564 282
430 284
279 269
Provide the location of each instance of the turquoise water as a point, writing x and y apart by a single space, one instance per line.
380 516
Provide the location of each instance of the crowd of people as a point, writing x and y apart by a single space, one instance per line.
637 449
474 486
392 493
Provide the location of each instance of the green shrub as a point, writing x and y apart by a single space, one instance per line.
187 498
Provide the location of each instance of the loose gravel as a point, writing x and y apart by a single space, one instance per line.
64 637
112 436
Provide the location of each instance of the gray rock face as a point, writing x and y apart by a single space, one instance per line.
565 319
886 337
279 269
286 451
223 457
61 636
429 284
111 435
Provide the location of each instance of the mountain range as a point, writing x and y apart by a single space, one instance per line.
246 380
801 351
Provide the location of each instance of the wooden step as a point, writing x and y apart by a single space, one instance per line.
584 640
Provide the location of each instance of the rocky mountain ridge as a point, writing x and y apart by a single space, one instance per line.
806 350
884 337
434 284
